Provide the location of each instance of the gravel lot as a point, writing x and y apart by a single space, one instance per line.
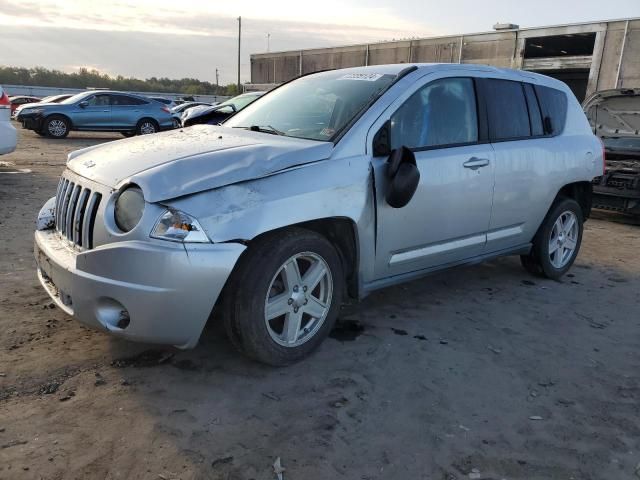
480 372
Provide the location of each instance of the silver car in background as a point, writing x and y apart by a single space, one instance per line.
331 186
8 134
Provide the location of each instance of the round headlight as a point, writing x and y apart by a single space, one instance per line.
129 207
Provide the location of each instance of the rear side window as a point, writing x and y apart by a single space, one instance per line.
443 113
122 100
507 110
553 104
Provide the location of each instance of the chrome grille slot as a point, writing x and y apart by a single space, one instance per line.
76 209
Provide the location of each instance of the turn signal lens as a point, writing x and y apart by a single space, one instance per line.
177 226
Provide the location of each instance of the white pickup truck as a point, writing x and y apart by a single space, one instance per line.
8 134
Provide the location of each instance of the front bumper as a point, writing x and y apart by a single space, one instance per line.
166 292
30 121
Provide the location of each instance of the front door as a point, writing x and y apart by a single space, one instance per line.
95 114
447 219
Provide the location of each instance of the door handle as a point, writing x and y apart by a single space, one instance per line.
475 163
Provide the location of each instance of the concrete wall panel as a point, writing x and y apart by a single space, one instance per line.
630 70
500 49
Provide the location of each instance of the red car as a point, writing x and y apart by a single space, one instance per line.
21 100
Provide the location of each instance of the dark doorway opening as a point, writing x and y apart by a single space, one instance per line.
577 44
577 79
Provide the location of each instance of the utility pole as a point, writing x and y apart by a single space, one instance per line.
217 83
268 41
239 35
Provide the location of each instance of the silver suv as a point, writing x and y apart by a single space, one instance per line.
330 186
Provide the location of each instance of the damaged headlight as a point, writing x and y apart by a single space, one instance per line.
178 226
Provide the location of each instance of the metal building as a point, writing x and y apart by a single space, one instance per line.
587 56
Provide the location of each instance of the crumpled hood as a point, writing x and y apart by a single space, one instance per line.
190 160
614 113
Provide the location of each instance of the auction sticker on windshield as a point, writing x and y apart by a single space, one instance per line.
367 77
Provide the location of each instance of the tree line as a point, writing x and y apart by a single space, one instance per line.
86 78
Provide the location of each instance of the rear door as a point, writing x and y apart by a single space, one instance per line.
125 111
95 115
526 160
447 219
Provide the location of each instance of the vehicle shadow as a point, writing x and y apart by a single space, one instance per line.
616 217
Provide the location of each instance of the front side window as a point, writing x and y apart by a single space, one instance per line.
99 101
443 113
316 107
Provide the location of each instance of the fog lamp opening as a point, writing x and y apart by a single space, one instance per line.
112 314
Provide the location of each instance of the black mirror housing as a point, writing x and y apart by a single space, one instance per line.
83 104
404 177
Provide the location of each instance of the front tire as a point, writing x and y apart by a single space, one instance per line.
56 126
283 298
557 242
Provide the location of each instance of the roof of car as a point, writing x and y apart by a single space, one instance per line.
505 73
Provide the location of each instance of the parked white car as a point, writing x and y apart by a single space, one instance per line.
8 134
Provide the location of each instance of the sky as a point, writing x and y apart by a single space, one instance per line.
191 38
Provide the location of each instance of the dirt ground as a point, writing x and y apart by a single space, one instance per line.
482 372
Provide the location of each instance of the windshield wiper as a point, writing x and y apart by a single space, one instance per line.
266 129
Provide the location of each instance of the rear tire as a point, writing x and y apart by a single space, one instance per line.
56 126
290 273
147 126
557 242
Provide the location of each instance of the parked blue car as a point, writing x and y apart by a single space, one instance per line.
98 111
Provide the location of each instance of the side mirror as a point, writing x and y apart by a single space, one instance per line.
83 104
404 177
382 142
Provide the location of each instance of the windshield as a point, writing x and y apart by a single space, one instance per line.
316 107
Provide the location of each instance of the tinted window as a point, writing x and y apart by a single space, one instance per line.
553 104
441 113
534 110
125 100
506 109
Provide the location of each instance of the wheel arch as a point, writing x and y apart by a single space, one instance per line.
581 192
342 233
57 114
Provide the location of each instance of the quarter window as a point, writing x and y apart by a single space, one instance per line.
443 113
507 110
553 104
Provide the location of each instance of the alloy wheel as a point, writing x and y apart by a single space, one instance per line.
563 239
56 128
147 128
298 299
